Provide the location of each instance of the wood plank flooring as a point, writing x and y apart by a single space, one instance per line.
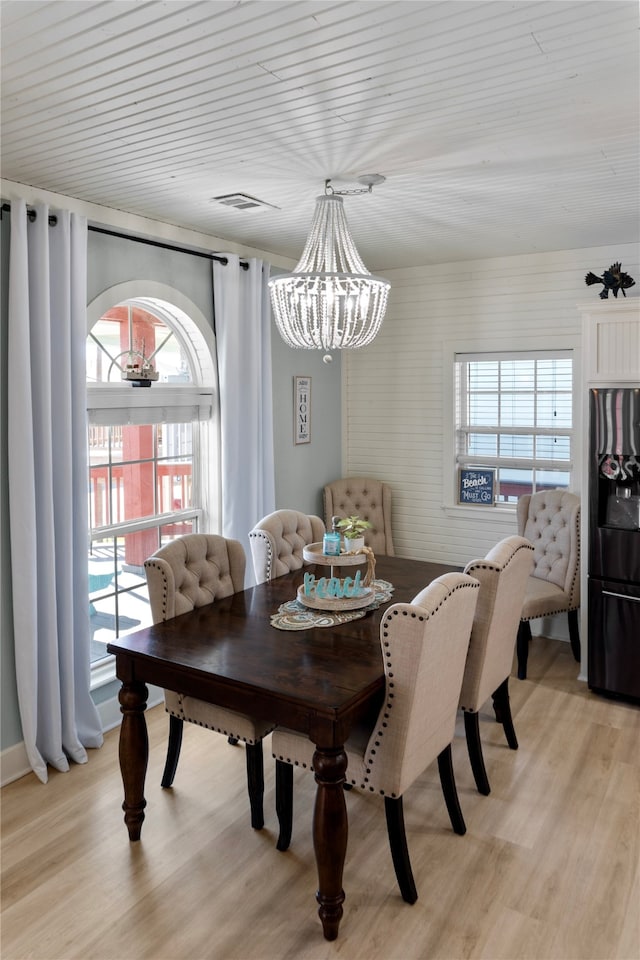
548 869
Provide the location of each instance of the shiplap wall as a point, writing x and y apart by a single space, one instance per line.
396 393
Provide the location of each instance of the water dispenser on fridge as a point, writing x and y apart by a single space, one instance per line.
614 542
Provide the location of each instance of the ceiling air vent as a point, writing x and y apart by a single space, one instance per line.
242 201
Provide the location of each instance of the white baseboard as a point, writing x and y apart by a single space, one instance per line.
14 762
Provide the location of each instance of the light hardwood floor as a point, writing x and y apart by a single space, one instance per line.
549 867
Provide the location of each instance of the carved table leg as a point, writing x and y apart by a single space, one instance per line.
330 836
134 754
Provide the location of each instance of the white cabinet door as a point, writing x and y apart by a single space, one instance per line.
611 338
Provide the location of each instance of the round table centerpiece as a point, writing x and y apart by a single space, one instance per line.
333 592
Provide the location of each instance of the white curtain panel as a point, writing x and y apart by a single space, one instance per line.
48 486
243 345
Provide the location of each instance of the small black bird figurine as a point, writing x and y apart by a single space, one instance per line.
613 279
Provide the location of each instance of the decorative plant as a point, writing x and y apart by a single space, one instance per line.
353 527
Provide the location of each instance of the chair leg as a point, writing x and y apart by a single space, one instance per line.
255 783
284 803
399 850
474 749
448 784
173 750
522 648
574 634
502 708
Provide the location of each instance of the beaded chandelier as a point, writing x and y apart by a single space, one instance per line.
330 301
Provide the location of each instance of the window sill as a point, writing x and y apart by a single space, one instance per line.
502 514
103 672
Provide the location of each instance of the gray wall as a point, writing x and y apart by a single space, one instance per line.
300 470
112 260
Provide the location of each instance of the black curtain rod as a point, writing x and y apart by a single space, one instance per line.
31 216
166 246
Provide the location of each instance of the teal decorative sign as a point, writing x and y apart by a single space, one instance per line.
476 486
332 586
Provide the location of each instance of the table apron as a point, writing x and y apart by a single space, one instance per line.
327 728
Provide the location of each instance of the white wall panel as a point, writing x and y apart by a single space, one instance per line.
395 408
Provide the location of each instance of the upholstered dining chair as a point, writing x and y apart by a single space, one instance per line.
368 499
503 576
277 542
550 520
192 571
424 647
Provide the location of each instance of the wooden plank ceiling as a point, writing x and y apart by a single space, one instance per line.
501 127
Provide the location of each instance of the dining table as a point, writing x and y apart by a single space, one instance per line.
255 652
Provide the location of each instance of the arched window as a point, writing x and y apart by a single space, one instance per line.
153 464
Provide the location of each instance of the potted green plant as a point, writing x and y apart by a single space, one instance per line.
352 529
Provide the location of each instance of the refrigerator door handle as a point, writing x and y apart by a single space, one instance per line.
620 596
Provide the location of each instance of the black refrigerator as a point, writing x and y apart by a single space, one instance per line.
614 542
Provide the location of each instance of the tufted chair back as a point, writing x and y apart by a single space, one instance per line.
503 576
192 571
369 499
278 539
550 520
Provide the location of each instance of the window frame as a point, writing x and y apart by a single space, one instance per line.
117 403
489 348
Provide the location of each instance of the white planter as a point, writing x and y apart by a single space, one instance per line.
352 545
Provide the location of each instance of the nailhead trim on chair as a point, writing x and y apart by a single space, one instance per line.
550 613
576 575
487 565
294 763
389 706
389 674
198 723
165 584
577 570
263 536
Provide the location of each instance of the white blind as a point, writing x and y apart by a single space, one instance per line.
514 411
123 405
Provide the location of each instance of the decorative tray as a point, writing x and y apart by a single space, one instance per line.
312 553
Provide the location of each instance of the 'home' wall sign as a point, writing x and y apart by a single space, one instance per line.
302 409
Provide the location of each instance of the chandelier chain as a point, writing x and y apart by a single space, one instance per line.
332 192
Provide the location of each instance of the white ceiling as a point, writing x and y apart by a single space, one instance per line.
501 127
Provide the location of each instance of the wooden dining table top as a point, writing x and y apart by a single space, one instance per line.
232 643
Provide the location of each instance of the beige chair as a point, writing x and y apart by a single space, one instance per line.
550 520
424 648
503 576
278 539
192 571
370 500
